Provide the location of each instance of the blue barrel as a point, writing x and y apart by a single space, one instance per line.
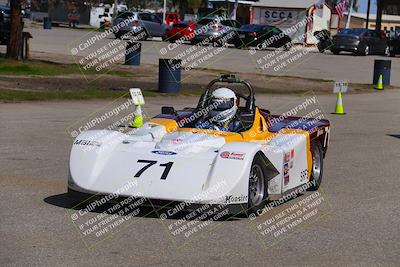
169 75
47 23
382 67
132 53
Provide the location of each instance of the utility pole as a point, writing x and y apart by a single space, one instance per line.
349 14
379 13
164 10
115 11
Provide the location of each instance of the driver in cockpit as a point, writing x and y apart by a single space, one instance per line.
224 106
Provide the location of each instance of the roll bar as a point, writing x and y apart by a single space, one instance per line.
229 78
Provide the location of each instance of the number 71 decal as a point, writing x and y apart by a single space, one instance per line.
167 167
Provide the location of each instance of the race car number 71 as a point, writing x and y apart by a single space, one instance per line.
150 163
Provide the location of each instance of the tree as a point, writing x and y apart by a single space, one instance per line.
355 5
14 44
195 5
183 8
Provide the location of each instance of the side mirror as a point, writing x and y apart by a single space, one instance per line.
168 110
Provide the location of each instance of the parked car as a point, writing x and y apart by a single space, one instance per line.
261 36
360 41
183 30
140 24
4 25
214 31
170 17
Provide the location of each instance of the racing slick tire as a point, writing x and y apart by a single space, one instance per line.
258 185
317 167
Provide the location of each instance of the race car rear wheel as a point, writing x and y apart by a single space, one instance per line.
258 185
317 167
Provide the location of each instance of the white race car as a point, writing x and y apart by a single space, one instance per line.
168 160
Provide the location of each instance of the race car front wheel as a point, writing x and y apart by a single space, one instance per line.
317 166
258 185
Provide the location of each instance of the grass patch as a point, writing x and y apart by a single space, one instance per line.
45 68
17 95
319 80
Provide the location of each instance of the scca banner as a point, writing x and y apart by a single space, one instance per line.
279 17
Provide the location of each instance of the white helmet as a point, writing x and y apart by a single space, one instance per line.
224 105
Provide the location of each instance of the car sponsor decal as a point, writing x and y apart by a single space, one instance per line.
82 142
286 158
232 155
162 152
286 173
326 140
229 199
303 175
287 165
176 140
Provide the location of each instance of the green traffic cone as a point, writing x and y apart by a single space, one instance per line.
339 110
379 85
138 118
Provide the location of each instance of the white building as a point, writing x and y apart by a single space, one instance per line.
305 16
103 13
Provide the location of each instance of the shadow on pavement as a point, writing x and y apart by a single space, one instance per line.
145 211
64 201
